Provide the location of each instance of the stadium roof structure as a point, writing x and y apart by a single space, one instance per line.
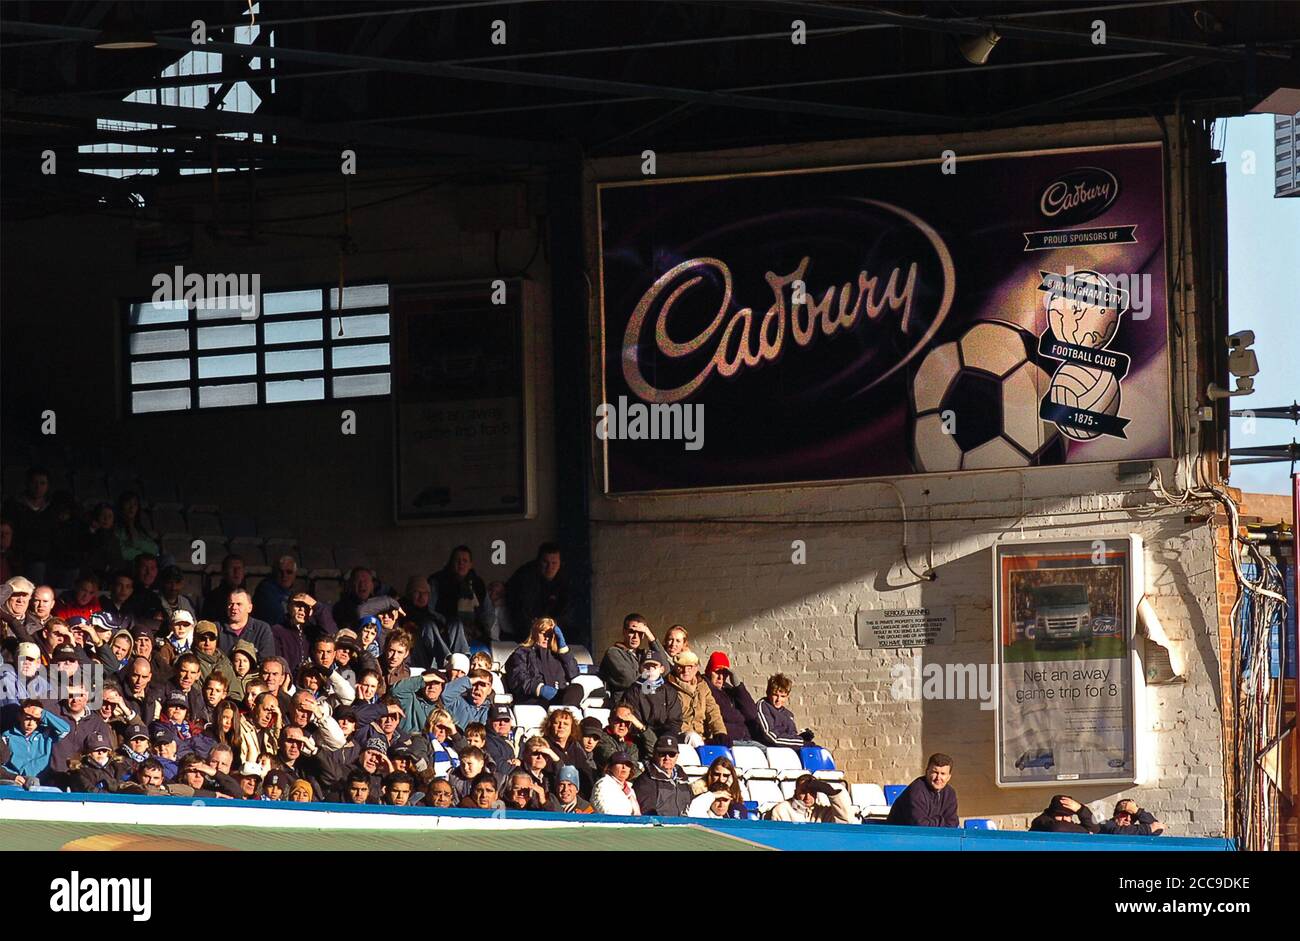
287 84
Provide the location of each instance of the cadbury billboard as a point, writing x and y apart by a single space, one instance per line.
870 321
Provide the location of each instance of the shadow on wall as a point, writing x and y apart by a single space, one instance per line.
736 590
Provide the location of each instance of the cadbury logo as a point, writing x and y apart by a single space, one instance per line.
1082 194
737 339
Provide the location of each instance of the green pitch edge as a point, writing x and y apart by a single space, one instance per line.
42 835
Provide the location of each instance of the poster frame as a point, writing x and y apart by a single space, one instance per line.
1137 682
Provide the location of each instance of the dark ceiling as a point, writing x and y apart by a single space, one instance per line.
422 84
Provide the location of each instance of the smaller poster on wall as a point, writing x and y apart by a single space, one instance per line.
460 412
1068 672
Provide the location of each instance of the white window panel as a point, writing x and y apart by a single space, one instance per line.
291 331
363 295
290 302
348 357
227 307
219 367
153 312
295 390
295 361
362 325
348 387
244 334
160 341
244 393
160 370
160 400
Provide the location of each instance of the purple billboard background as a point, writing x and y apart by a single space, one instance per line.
912 258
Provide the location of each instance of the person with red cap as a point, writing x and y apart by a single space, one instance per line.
739 711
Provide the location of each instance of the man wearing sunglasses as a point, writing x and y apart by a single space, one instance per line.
622 662
629 735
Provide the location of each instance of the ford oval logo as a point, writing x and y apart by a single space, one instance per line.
1079 195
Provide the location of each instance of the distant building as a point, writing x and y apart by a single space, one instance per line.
1286 147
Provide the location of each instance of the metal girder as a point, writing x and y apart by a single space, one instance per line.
340 133
1010 30
535 79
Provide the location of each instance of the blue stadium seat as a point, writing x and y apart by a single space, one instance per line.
816 758
980 823
892 791
708 754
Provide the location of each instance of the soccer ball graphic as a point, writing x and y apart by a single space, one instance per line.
1081 387
975 403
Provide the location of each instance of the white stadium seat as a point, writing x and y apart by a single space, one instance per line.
600 715
767 794
786 763
530 717
751 762
868 800
591 684
689 761
581 654
501 651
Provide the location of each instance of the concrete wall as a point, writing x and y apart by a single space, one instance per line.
721 563
64 276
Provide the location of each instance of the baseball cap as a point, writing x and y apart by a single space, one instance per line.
64 653
136 730
667 745
28 651
181 616
206 629
458 661
500 712
140 630
251 769
687 658
590 727
78 621
718 661
162 735
567 773
278 778
177 698
98 740
621 758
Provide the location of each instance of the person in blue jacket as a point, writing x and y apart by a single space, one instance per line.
31 740
541 670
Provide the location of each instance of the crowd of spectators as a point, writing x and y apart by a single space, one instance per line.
385 696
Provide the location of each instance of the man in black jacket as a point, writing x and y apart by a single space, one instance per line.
539 590
928 801
1059 817
663 790
739 711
